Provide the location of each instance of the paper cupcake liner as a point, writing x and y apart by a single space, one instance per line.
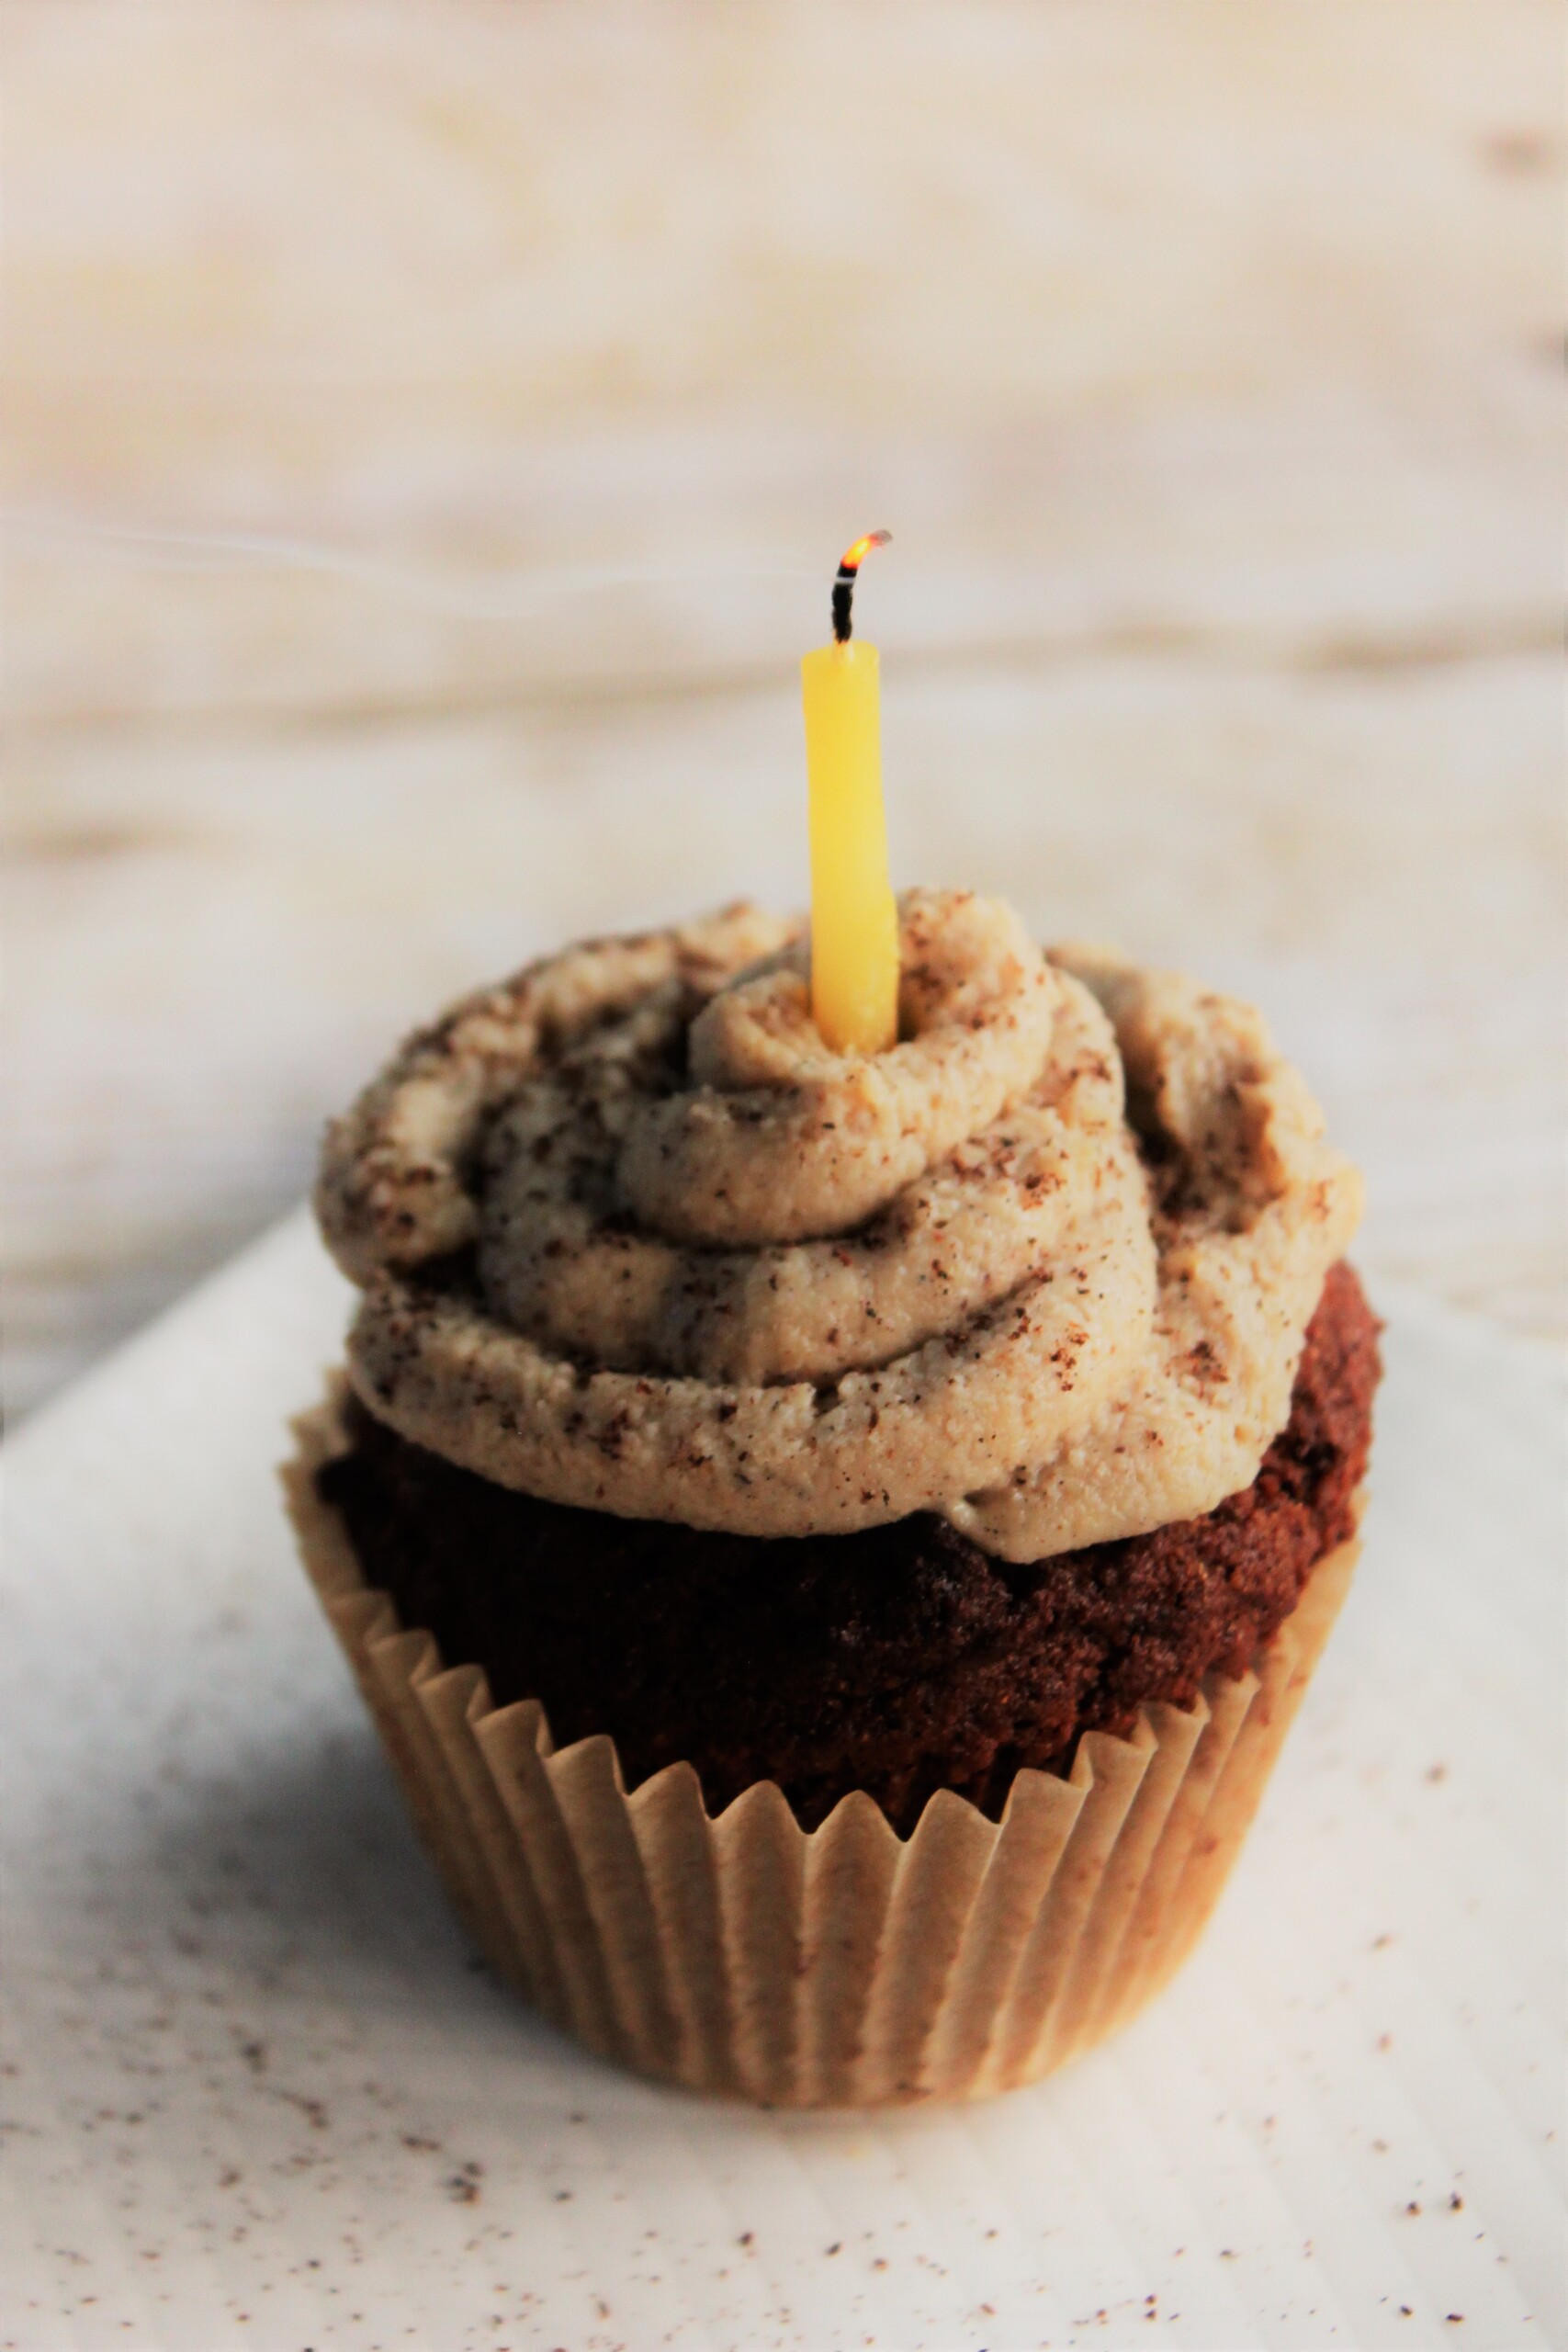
842 1967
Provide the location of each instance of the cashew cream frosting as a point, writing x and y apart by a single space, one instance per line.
630 1238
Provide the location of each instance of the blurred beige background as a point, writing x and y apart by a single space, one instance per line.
429 432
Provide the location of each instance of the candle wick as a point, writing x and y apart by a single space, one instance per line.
844 583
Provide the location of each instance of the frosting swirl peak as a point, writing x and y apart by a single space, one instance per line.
631 1237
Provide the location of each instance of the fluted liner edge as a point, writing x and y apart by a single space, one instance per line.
845 1966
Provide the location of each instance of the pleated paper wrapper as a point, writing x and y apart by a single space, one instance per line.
846 1967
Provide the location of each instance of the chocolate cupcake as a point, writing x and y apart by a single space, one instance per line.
834 1542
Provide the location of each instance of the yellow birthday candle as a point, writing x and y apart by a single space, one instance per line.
854 922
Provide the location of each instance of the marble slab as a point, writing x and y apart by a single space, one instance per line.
257 2091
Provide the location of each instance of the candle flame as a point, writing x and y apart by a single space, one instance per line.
854 557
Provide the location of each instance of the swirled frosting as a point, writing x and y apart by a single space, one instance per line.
631 1237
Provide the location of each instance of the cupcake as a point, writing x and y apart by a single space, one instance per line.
833 1543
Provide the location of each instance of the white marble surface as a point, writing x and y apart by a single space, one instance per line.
430 431
257 2091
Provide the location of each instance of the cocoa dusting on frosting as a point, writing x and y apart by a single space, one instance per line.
632 1239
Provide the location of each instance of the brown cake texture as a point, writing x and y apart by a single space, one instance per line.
899 1660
